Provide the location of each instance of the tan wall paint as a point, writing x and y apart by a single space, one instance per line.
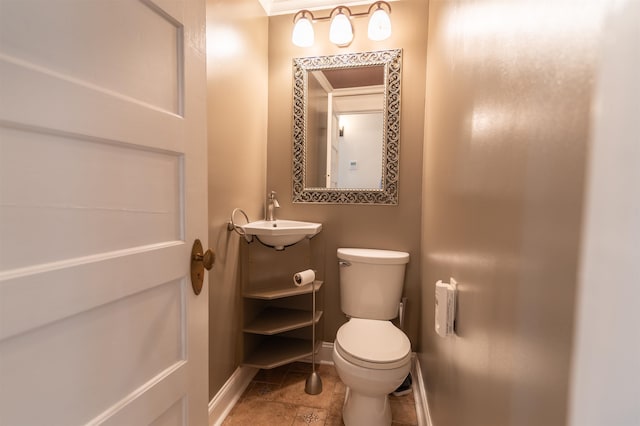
387 227
509 92
237 130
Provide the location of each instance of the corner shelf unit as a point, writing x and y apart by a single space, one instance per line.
275 292
277 351
278 320
279 332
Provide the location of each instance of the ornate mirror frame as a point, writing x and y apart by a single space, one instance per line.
391 60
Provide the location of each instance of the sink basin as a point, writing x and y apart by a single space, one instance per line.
281 233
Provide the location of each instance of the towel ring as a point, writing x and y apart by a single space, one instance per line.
231 225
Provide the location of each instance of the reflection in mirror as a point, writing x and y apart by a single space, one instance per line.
346 128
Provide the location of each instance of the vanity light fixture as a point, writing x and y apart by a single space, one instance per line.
303 30
341 30
379 23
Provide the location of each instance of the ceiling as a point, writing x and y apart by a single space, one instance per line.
283 7
343 78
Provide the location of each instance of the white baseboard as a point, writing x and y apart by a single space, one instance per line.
229 394
324 355
420 395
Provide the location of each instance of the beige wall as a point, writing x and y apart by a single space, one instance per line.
387 227
237 131
509 89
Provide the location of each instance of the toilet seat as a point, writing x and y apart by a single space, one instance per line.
374 344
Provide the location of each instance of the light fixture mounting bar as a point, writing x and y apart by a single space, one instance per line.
304 12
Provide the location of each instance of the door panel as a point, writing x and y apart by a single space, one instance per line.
72 196
154 318
43 101
144 65
102 192
35 296
172 416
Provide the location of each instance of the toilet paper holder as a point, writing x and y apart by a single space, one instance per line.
313 385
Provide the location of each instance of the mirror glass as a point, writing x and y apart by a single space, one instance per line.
346 128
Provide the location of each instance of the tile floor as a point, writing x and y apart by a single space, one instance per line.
277 398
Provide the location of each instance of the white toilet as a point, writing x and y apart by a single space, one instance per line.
371 355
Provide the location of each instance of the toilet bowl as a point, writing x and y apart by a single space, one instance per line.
371 355
372 358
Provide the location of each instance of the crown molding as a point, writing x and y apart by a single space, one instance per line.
284 7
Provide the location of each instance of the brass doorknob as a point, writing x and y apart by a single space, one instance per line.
208 259
199 262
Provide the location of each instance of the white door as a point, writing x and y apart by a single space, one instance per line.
102 193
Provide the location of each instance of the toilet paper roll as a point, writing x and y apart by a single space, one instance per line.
304 277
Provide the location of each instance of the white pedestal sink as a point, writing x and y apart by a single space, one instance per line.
281 233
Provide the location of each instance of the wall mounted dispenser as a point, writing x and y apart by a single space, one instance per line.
446 308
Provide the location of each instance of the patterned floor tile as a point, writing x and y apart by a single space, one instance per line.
277 398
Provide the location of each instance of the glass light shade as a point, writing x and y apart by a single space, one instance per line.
341 31
302 35
379 25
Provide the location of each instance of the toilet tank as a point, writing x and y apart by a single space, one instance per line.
371 282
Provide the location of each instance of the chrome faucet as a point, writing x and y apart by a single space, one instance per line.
272 204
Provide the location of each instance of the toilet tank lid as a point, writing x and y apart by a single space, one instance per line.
380 257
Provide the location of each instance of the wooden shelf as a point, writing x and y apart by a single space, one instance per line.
276 351
278 293
278 320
